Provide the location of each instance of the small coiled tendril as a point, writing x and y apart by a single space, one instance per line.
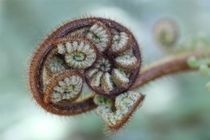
92 53
166 33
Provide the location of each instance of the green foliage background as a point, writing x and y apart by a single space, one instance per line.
176 107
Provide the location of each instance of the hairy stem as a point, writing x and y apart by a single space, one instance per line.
170 65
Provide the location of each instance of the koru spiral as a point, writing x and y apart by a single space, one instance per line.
88 64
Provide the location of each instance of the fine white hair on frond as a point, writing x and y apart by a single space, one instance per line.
96 79
119 78
55 65
126 61
79 55
99 35
67 89
106 83
124 103
119 42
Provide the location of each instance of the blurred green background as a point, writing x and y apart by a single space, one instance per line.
176 107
